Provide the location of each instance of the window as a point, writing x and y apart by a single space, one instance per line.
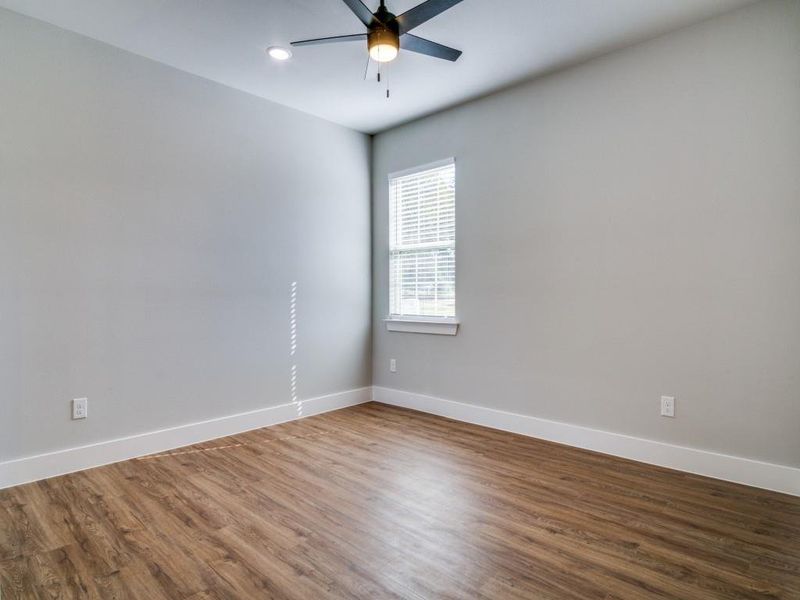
422 237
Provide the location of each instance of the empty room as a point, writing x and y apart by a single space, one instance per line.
402 299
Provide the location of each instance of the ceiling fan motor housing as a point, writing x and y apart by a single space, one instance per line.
387 33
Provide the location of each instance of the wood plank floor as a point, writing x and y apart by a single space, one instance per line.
380 502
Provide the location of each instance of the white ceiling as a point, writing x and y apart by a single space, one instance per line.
504 41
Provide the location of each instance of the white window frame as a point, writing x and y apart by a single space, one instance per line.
419 324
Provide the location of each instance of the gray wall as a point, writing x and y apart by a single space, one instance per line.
625 229
151 223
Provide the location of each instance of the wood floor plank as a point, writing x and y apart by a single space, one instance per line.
380 502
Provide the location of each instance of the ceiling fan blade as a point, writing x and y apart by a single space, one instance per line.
362 12
332 40
422 12
423 46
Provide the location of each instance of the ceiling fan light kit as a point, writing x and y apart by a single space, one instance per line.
383 44
387 34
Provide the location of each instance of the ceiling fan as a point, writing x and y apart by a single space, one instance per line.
387 34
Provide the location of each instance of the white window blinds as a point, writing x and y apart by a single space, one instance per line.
422 232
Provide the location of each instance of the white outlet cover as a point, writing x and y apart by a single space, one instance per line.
393 365
80 408
667 406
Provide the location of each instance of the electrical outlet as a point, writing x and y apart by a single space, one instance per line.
667 406
392 365
80 408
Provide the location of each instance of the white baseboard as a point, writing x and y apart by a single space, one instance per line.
42 466
701 462
764 475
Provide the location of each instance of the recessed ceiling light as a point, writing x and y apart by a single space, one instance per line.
279 53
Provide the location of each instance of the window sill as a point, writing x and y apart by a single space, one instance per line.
422 325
